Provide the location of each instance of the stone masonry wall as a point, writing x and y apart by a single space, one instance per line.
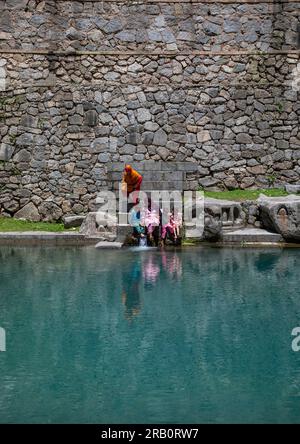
193 94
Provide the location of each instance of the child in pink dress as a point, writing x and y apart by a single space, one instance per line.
172 227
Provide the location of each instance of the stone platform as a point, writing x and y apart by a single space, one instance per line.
18 238
251 235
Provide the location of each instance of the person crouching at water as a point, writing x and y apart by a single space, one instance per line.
139 229
132 179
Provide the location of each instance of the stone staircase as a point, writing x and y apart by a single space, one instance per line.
171 176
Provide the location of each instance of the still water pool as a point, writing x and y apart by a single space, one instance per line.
200 335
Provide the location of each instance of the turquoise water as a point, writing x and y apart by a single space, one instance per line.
202 335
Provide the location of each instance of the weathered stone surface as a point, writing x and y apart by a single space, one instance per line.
11 206
109 245
6 151
91 117
160 138
22 156
143 115
66 118
163 152
50 212
203 136
73 221
28 212
243 138
212 228
25 139
292 189
281 215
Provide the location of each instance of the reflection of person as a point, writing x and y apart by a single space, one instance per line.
132 179
151 270
131 293
172 264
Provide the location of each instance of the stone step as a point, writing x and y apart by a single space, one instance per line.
157 185
151 176
103 245
251 235
154 165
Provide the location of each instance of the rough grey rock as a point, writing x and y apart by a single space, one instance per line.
22 156
281 215
98 223
28 212
73 221
6 151
163 152
126 36
91 117
143 115
108 245
11 206
160 138
50 211
212 228
292 189
113 25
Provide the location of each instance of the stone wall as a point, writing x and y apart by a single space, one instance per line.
201 89
128 25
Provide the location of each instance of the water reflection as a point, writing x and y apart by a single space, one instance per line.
131 298
201 335
143 273
151 270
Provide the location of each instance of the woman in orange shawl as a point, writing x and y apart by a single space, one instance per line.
132 179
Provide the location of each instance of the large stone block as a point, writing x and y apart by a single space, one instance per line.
281 215
28 212
6 152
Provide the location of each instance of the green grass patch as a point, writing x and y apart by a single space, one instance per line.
10 224
241 195
187 242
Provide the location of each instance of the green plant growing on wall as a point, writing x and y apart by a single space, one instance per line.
3 101
18 99
279 107
41 123
15 171
271 180
13 139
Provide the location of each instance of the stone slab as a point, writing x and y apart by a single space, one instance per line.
42 237
108 245
251 235
73 221
292 189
